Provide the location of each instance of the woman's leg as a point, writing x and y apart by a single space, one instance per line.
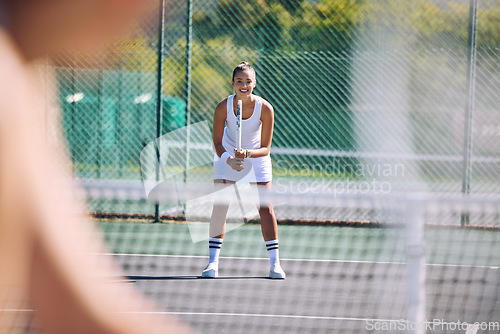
219 212
216 231
269 227
268 223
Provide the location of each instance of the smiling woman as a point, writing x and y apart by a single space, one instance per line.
246 160
48 246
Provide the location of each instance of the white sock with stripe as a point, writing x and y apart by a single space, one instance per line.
273 250
214 246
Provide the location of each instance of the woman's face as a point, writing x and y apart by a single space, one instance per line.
244 82
42 27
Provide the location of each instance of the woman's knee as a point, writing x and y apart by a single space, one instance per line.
266 211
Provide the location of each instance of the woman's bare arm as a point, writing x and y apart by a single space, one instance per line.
218 127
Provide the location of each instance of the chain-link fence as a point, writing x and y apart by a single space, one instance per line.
368 95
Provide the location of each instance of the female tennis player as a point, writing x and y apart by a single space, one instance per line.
251 163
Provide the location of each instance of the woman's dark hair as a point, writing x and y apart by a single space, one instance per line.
243 66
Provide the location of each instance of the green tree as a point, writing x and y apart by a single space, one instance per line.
256 24
289 25
327 25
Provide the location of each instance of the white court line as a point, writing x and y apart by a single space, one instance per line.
313 317
301 260
263 315
257 315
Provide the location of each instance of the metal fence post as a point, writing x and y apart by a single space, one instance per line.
120 144
189 51
159 103
469 109
100 116
71 139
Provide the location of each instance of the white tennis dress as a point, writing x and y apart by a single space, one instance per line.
254 169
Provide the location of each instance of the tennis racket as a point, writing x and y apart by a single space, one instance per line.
239 117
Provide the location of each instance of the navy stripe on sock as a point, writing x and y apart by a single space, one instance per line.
218 247
215 242
272 248
271 245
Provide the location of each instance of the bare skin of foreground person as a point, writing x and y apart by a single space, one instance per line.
47 243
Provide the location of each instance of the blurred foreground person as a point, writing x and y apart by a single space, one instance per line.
48 246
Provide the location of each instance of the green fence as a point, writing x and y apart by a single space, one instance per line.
107 125
360 89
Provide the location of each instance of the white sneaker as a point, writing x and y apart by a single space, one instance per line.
211 271
277 272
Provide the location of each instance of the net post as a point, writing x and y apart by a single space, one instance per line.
469 109
415 262
159 103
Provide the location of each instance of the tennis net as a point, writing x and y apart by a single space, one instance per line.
355 262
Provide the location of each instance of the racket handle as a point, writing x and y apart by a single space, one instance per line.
239 116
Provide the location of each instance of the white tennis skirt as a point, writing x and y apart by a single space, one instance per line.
254 170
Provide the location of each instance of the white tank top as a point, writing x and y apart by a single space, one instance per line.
250 128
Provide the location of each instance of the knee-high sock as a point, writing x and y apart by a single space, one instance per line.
214 246
273 250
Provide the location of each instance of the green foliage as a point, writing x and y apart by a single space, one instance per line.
291 6
256 24
211 68
326 25
288 25
211 73
133 55
488 25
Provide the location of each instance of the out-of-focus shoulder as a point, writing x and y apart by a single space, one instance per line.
13 81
